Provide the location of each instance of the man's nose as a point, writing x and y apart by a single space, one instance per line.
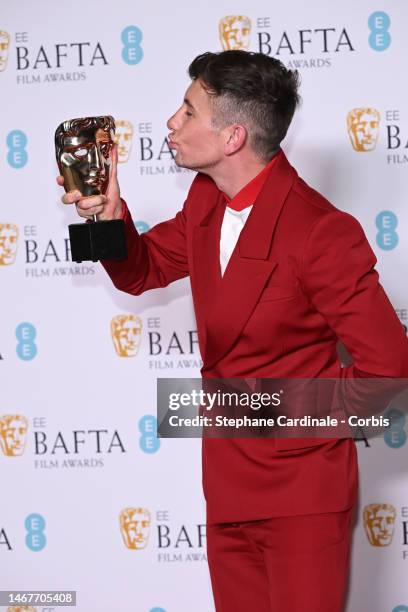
170 123
174 121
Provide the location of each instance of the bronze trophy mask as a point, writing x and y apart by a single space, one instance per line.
82 148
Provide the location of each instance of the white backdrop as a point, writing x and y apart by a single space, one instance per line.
79 448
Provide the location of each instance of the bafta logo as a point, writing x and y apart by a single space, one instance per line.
363 126
379 522
126 331
235 31
21 609
13 433
135 527
123 138
4 47
8 243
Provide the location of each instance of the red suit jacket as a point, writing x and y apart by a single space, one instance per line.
300 278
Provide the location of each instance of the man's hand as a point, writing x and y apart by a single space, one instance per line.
106 207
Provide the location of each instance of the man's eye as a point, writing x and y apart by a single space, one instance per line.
189 114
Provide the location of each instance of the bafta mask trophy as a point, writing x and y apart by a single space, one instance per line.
82 148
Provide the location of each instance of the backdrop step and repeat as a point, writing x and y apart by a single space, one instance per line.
91 499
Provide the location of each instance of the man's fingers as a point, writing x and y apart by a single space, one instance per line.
71 197
114 163
75 197
102 216
91 205
89 212
91 201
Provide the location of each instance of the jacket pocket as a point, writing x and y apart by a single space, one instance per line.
277 292
289 444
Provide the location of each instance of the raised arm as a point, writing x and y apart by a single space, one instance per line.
155 258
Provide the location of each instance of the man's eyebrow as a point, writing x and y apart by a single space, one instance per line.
187 101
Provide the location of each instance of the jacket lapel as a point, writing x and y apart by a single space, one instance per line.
206 261
225 304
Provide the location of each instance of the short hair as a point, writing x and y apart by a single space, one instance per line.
253 89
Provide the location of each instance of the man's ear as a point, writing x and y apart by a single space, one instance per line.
235 138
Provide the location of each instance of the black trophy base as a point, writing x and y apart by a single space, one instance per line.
98 240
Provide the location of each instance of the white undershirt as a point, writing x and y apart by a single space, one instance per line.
232 224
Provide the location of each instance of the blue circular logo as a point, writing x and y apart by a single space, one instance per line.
35 538
387 222
16 140
17 155
26 347
142 226
148 442
132 52
379 24
395 435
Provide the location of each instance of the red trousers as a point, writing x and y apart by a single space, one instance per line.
293 564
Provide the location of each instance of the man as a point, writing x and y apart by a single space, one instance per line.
277 275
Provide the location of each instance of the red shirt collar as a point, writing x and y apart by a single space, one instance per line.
249 193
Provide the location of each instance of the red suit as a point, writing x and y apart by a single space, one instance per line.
300 278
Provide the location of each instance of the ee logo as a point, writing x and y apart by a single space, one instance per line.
148 442
17 155
35 538
395 436
400 609
141 226
163 610
132 52
26 347
386 222
379 24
